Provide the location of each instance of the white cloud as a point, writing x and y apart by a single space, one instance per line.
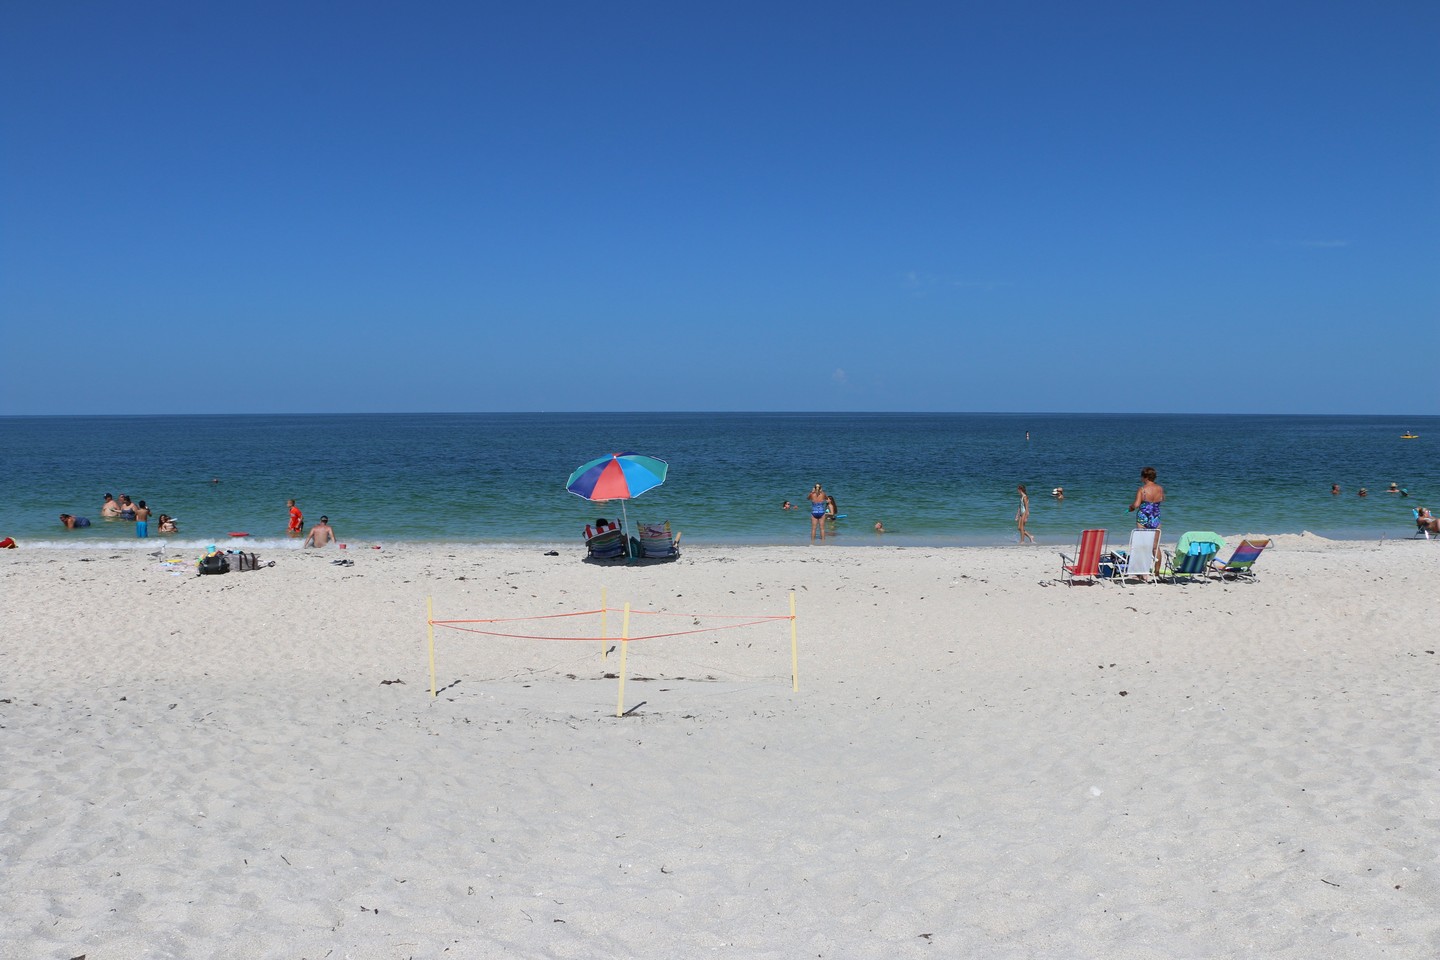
840 377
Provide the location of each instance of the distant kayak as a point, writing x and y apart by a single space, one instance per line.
1409 436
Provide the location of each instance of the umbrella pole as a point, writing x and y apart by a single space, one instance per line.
625 528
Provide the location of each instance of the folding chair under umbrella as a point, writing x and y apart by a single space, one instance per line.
620 476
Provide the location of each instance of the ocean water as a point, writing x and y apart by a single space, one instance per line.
933 479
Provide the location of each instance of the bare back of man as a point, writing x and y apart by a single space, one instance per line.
321 534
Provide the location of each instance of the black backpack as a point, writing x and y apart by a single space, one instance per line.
215 563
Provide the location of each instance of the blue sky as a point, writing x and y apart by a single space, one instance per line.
315 207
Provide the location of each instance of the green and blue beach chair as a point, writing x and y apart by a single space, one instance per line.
1192 556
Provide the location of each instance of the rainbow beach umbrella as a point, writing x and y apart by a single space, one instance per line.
620 476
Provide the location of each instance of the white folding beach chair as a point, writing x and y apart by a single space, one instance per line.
1139 561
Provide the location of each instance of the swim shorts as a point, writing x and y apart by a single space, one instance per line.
142 528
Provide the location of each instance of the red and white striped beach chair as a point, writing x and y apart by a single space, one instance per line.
1086 561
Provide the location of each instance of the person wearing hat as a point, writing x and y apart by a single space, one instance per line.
320 535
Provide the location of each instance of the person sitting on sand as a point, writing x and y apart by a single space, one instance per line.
320 534
72 523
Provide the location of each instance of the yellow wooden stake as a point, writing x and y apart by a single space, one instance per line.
430 625
794 648
624 645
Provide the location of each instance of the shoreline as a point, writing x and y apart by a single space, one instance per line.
858 539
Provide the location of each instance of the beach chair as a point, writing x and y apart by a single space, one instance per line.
1139 561
656 543
1192 556
1086 561
1240 562
609 545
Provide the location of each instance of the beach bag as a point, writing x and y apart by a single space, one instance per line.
215 563
242 562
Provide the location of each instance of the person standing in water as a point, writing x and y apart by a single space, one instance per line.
1023 514
816 496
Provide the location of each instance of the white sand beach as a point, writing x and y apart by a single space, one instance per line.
978 762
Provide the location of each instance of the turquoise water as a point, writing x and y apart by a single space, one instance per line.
934 479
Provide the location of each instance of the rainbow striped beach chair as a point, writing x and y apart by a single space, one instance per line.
656 543
1240 562
609 545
